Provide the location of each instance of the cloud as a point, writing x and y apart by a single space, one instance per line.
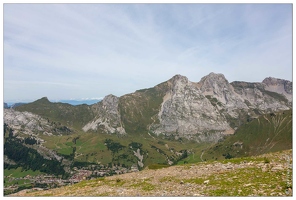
80 50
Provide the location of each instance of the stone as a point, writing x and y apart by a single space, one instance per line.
108 116
191 109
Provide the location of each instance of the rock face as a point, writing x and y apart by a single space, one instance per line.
216 86
186 112
25 120
204 111
32 124
280 86
108 118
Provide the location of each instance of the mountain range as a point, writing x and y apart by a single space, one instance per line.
173 122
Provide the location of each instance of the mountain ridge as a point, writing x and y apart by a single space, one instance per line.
181 108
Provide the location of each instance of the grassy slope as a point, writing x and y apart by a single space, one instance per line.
140 109
267 133
18 173
90 148
68 115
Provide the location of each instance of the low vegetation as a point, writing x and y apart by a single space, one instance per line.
267 133
249 176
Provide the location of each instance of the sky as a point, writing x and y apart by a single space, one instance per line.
80 51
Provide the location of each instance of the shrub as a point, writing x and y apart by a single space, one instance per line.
266 160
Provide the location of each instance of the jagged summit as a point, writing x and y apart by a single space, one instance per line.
280 86
275 82
179 78
215 75
109 99
217 85
213 78
272 81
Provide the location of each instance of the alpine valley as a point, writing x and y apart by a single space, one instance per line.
50 144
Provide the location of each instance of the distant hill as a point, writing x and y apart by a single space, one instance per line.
12 105
68 101
80 102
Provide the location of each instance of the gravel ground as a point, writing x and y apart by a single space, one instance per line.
265 175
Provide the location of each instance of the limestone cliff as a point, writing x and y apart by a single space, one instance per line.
186 112
201 111
280 86
108 118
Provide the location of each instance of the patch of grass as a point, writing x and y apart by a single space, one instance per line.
198 181
246 182
266 160
157 166
46 195
144 185
19 172
169 179
243 159
116 183
220 192
104 194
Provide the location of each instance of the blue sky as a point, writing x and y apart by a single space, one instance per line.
66 51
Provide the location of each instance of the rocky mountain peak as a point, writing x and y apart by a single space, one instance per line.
213 78
177 83
272 81
179 79
218 86
280 86
110 100
108 116
215 75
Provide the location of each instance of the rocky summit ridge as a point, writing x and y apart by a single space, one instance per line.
202 111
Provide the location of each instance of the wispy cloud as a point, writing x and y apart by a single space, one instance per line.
78 50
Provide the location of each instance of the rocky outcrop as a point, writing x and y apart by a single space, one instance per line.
204 111
279 86
28 122
259 96
186 112
32 125
140 157
108 118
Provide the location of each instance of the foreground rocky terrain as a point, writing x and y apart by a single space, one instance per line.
264 175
